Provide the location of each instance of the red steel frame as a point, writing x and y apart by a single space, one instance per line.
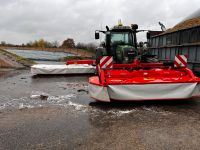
130 72
89 62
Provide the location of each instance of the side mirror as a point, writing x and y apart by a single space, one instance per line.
96 35
148 35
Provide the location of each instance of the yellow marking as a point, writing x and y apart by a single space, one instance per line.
149 78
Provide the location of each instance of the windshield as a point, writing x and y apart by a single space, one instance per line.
121 38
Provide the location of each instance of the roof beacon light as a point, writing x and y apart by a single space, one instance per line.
120 22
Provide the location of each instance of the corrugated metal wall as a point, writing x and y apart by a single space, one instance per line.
187 41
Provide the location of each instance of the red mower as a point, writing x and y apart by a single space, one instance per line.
125 74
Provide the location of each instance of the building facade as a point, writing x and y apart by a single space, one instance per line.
184 38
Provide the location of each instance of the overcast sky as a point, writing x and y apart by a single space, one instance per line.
22 21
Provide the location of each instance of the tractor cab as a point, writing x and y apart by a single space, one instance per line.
120 42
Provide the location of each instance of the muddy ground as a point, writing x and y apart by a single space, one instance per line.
56 112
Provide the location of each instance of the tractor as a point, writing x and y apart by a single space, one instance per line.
120 42
127 74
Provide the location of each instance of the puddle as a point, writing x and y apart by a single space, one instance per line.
69 101
93 110
36 99
22 106
156 110
42 99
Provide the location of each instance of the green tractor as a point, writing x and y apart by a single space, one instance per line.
120 42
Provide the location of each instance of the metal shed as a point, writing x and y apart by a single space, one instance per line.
184 38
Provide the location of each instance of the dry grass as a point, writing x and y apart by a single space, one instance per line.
185 25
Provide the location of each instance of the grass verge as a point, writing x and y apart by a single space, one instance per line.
19 59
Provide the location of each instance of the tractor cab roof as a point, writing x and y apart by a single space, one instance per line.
121 28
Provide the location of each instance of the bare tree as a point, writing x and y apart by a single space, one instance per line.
68 43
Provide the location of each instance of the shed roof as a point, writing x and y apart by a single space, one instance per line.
185 25
192 20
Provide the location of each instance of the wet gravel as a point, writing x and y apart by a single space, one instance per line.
56 112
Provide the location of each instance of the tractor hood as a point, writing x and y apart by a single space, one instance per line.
125 54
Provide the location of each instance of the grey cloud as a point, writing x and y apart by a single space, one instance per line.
25 20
